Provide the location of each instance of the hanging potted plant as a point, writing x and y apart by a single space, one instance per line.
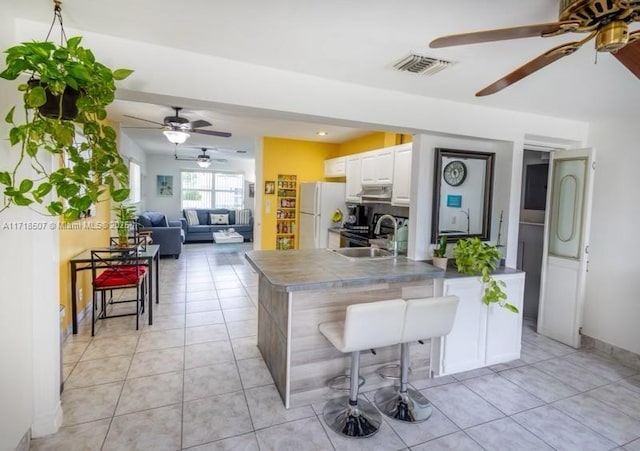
473 257
87 167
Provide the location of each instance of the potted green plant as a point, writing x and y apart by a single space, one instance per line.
88 166
125 214
474 257
439 254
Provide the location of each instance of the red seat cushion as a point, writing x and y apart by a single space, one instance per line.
114 277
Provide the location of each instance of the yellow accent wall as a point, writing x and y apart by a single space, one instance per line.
377 140
305 159
75 238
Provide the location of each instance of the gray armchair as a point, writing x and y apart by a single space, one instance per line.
168 234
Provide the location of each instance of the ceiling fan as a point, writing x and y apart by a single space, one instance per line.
203 160
177 128
606 20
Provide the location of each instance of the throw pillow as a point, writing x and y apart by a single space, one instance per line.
192 217
219 219
144 220
157 219
243 216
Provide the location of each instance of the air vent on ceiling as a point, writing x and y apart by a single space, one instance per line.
421 64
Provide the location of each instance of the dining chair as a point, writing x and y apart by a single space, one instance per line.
115 273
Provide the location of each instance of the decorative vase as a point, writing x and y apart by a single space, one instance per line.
440 262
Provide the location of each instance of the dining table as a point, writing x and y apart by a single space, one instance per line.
150 254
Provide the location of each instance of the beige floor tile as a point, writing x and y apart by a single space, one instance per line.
254 373
245 348
202 306
203 354
202 318
100 348
86 437
157 429
202 334
240 314
72 350
82 405
101 371
152 340
156 362
244 442
214 418
150 392
267 409
211 380
295 435
239 329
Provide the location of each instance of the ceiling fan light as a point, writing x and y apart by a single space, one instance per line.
176 136
204 163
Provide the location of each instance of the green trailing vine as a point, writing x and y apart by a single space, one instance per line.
89 167
473 257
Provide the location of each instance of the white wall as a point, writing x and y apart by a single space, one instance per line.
29 325
164 165
131 151
422 192
612 310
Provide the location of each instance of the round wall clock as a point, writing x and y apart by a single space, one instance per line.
455 173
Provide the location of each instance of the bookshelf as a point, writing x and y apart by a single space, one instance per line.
287 201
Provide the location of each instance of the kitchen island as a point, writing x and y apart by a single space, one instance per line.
299 289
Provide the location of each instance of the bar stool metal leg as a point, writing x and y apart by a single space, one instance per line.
347 415
401 402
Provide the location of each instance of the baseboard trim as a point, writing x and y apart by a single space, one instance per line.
625 357
47 424
25 442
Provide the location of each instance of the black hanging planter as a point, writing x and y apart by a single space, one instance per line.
51 108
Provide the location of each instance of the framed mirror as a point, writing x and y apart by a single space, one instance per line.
463 182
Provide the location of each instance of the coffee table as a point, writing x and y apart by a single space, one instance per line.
227 237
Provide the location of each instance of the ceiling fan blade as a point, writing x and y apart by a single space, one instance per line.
532 66
199 123
145 120
212 133
629 55
501 34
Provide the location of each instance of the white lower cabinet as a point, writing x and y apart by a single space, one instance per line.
482 335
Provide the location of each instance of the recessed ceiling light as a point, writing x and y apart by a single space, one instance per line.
241 151
321 133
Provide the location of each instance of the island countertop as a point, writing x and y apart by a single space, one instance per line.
311 269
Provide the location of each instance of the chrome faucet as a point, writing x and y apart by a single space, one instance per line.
376 231
468 215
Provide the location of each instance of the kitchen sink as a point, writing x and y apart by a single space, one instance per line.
363 252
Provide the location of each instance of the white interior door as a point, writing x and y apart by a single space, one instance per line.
566 245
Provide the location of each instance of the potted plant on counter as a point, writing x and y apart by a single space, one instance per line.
439 258
473 257
86 166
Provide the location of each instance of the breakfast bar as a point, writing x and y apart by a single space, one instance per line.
300 289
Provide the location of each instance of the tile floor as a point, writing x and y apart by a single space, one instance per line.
195 380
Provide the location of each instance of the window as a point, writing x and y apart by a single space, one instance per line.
202 189
134 182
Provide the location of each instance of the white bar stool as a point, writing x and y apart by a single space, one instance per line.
366 326
424 318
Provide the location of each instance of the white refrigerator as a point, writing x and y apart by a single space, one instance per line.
318 202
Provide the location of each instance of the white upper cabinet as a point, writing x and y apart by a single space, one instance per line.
401 175
352 168
377 167
335 167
